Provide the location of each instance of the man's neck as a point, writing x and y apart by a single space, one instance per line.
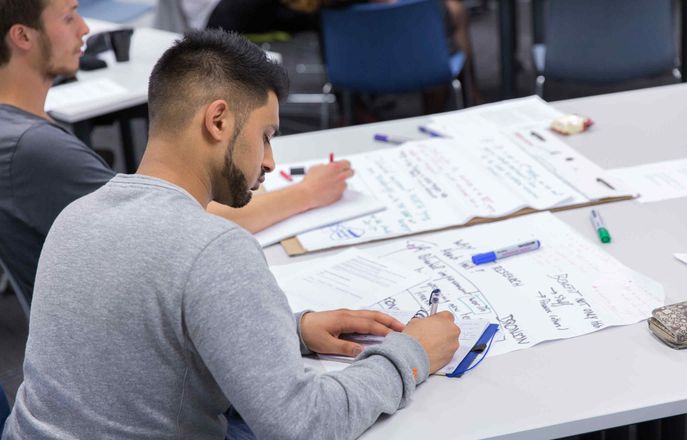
24 88
181 171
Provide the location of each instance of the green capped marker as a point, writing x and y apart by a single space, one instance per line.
598 223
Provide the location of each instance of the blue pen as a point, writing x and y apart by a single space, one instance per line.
396 140
434 301
430 132
509 251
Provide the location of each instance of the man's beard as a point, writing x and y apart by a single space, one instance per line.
49 68
239 189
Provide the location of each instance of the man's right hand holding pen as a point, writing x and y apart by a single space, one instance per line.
438 334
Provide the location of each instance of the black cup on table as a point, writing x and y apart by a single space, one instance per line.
120 40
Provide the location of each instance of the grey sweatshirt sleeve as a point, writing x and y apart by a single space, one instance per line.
297 318
240 325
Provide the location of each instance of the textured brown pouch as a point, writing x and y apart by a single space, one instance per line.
669 323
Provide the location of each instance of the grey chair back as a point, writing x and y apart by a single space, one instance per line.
170 17
608 40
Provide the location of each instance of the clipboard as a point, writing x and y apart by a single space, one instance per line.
481 347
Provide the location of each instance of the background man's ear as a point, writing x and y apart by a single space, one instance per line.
19 35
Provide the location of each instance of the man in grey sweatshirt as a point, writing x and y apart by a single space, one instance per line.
151 319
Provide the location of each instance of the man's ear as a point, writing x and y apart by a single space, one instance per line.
219 120
21 36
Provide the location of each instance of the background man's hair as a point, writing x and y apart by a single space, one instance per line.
209 65
26 12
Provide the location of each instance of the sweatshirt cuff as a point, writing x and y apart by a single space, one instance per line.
297 317
409 358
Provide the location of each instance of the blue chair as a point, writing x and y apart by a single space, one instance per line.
4 409
22 297
113 10
604 41
389 48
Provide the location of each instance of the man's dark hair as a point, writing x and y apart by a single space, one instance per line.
26 12
209 65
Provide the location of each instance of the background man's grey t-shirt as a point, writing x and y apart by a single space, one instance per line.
151 317
43 168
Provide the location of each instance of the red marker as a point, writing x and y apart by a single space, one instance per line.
285 175
331 157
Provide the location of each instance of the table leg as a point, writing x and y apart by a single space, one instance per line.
674 428
128 147
83 130
507 37
683 40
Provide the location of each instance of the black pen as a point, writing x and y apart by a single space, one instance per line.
538 136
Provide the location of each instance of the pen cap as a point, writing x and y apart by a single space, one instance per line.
604 236
484 258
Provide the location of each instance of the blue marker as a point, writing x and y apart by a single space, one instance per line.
430 132
434 301
509 251
396 140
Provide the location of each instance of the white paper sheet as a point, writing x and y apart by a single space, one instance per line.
351 205
82 92
681 257
437 183
347 280
567 288
655 181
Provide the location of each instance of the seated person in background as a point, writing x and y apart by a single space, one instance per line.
43 167
258 16
169 316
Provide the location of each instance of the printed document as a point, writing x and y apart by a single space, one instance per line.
655 181
351 279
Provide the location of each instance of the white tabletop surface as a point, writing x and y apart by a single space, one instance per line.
613 377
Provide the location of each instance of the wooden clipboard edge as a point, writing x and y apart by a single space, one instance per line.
293 247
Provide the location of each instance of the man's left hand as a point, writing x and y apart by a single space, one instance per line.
321 330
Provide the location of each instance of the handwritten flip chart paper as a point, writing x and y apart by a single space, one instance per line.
438 183
568 288
347 280
351 205
655 181
526 121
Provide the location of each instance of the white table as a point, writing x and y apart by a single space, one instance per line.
613 377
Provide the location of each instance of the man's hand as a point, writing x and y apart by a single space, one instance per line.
320 330
324 184
438 335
